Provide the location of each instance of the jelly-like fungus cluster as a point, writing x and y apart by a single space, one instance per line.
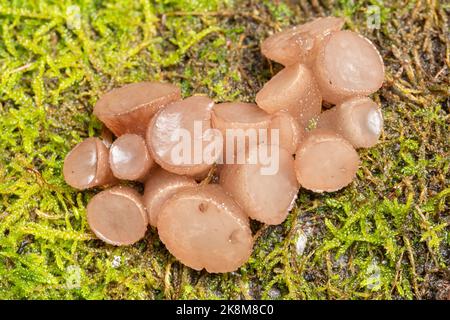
205 222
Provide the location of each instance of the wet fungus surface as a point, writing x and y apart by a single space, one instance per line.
128 109
159 187
191 118
241 117
359 120
117 216
265 196
325 161
293 89
347 65
290 133
204 228
86 165
129 157
288 143
299 43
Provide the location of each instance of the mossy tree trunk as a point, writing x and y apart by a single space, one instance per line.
385 236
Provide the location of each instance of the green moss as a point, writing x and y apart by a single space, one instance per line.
385 236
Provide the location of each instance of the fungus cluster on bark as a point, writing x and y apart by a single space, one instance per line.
205 222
